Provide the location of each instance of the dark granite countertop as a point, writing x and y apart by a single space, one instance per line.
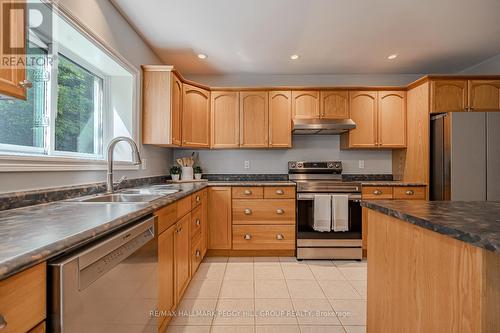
473 222
251 183
390 183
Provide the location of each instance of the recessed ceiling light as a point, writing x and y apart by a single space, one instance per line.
202 56
294 56
392 56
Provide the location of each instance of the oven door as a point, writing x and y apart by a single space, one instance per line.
305 218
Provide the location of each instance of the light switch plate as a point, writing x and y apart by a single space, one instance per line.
247 164
144 164
361 164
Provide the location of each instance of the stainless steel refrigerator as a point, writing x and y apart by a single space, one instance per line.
465 156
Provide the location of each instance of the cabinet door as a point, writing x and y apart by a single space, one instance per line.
182 255
219 218
305 104
280 119
484 95
176 110
448 96
334 104
166 271
363 109
225 119
392 119
195 117
254 126
13 78
204 222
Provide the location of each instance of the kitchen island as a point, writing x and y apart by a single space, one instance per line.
433 266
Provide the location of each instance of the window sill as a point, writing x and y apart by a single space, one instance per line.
30 163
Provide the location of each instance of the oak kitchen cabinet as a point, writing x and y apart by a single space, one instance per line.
162 106
195 117
254 119
13 82
225 119
305 104
167 299
219 218
334 104
280 119
464 95
380 118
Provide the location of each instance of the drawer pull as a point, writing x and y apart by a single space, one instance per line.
198 198
179 230
280 192
198 253
248 211
280 211
247 192
197 222
3 322
280 237
377 192
247 237
410 192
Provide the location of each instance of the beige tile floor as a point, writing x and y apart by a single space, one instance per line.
274 295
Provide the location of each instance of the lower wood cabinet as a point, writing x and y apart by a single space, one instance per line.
263 237
264 211
166 272
182 255
219 218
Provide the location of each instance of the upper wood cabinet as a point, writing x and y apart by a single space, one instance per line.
334 104
380 118
305 104
254 119
280 119
363 111
448 96
392 119
13 80
162 106
219 218
195 117
484 95
225 119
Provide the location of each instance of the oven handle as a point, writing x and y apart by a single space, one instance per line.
310 196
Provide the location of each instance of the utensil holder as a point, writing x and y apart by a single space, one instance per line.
187 173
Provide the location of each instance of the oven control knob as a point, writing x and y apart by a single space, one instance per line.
330 165
337 165
293 165
300 165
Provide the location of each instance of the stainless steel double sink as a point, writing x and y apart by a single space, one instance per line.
145 194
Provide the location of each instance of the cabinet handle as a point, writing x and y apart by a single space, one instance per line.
280 211
3 322
248 211
197 222
471 108
280 192
198 253
25 84
247 237
377 192
247 192
410 192
197 198
179 230
280 237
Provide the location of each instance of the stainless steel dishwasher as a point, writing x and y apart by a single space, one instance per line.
108 286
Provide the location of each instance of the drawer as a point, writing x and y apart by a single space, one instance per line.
279 192
410 192
167 216
183 206
263 237
23 299
196 199
40 328
377 192
248 192
196 220
264 211
196 255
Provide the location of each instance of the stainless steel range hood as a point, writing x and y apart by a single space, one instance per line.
322 126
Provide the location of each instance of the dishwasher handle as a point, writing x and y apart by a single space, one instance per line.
100 259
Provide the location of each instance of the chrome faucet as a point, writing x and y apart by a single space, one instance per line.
136 158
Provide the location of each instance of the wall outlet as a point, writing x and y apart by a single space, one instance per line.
247 164
144 164
361 164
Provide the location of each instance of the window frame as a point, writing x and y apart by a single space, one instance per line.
20 161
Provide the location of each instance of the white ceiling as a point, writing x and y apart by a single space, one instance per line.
331 36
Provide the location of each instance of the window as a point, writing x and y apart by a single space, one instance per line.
82 96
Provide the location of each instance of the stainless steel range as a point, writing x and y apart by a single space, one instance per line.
317 183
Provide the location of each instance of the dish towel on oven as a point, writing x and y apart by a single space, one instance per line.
340 213
322 213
